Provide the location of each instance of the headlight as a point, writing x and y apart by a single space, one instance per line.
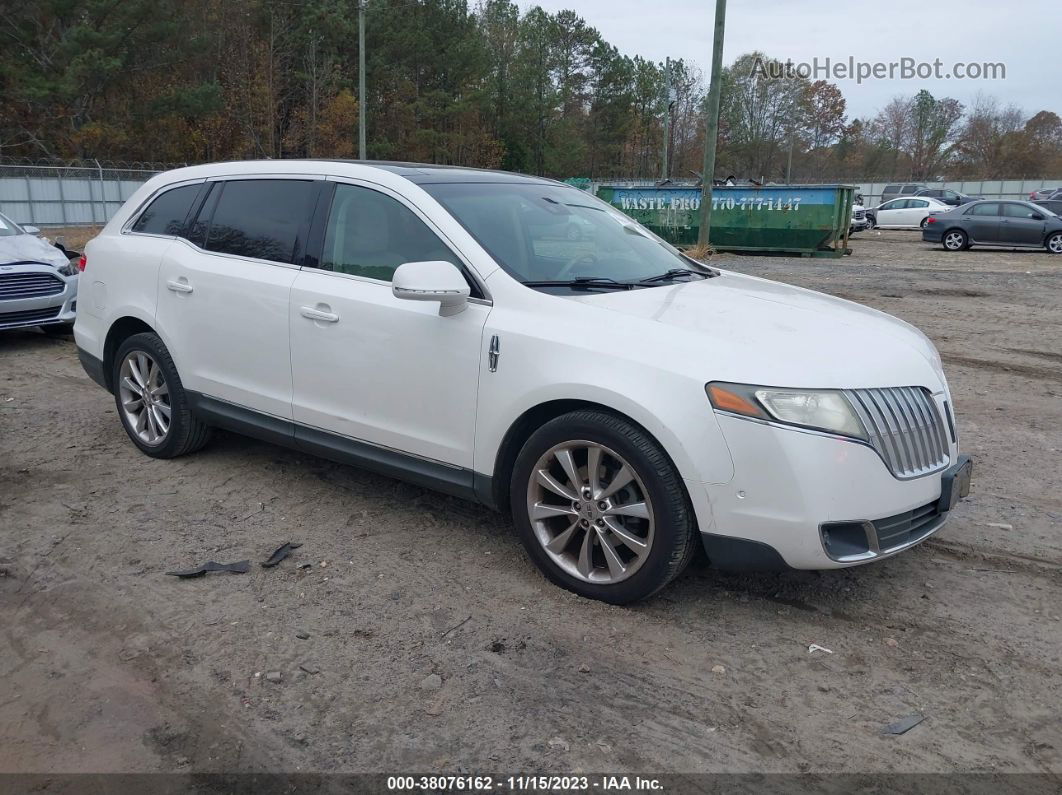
818 409
70 269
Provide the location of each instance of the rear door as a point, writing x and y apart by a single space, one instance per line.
1018 225
982 222
916 211
223 294
371 367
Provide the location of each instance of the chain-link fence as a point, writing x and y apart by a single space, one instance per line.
72 194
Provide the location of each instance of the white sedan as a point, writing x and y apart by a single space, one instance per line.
908 213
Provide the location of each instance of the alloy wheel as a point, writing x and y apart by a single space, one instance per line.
591 512
145 397
1054 245
953 241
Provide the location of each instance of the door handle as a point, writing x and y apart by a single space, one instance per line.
179 286
319 314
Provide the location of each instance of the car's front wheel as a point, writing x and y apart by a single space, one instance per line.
151 400
1054 243
955 240
600 507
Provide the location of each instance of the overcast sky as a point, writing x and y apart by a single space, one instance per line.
1023 35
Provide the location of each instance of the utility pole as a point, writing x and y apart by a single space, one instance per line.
361 79
711 135
667 116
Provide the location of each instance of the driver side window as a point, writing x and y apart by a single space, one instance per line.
370 234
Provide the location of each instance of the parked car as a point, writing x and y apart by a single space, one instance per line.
1014 224
1043 193
860 222
622 401
901 189
949 197
906 213
1051 205
38 282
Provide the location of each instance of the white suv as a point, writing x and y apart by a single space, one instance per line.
443 326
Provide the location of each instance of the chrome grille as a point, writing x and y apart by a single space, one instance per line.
14 286
904 427
860 215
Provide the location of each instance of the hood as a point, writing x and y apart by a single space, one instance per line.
750 330
30 248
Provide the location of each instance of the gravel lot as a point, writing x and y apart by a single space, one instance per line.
108 665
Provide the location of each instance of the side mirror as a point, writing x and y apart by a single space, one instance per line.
435 280
1036 217
30 230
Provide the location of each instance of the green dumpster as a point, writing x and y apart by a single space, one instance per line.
811 220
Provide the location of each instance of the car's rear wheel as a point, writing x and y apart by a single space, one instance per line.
1054 243
151 400
924 222
955 240
600 507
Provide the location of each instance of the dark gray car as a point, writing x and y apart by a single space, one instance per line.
954 198
1013 224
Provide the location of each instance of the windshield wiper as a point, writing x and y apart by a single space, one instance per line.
671 275
583 281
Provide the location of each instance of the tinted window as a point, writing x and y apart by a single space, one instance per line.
1052 206
989 208
370 234
916 203
909 189
259 218
167 212
1018 211
892 189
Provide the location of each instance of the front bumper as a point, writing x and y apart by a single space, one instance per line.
23 302
790 486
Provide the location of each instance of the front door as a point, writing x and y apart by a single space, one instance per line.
223 295
374 368
1018 226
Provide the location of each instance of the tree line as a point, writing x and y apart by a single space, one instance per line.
449 82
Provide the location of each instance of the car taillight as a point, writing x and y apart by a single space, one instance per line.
82 261
930 220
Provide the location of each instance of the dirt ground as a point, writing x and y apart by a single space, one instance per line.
109 665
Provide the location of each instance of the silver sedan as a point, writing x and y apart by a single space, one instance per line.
38 281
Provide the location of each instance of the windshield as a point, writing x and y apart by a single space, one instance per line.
8 227
543 233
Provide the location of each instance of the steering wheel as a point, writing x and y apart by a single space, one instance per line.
569 266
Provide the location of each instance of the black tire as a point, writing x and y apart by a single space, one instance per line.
962 236
58 329
674 535
186 433
1053 244
873 223
923 224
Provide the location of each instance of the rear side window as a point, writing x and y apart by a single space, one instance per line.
260 218
991 208
917 203
910 189
167 213
892 189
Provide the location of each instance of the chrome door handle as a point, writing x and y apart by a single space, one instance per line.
318 314
179 287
